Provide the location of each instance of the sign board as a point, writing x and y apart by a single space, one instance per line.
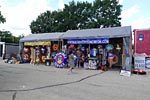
60 60
89 41
139 62
127 64
37 43
147 62
125 73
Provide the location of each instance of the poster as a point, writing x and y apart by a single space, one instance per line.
125 73
139 62
60 60
147 62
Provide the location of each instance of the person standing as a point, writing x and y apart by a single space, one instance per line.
82 60
78 53
71 61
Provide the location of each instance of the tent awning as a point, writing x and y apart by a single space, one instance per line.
98 33
42 37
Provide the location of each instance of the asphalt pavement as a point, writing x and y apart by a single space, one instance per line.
40 82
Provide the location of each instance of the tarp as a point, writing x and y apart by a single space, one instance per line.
42 37
98 33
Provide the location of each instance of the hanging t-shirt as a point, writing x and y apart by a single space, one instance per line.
37 52
110 56
43 50
93 52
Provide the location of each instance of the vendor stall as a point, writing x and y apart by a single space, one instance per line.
37 48
95 44
89 51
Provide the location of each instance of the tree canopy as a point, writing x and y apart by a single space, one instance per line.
79 15
2 19
6 36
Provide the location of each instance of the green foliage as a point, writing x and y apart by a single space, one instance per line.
79 15
2 19
107 13
43 23
7 37
17 39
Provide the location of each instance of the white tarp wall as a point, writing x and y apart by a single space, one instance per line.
3 48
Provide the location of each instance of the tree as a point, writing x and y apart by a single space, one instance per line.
43 23
6 36
16 39
79 15
2 19
58 22
107 13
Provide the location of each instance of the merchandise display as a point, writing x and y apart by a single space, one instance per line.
39 54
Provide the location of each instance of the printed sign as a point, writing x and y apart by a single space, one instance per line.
89 41
60 60
125 73
147 62
139 62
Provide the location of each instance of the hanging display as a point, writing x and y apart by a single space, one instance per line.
43 50
26 50
93 52
71 46
26 55
115 59
109 47
32 55
55 47
43 58
82 48
37 59
37 52
118 47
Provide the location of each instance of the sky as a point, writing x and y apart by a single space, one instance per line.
20 13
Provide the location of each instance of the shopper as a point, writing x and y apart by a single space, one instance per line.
82 60
78 53
71 61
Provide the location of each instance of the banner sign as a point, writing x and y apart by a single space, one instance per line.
147 62
125 73
37 43
60 60
139 62
89 41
